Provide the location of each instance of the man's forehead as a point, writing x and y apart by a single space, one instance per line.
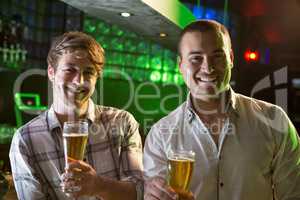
207 34
76 58
210 37
76 53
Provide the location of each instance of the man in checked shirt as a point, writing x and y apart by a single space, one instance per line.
112 168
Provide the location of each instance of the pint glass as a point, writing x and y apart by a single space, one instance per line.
180 169
75 135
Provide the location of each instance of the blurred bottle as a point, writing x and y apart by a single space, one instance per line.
3 185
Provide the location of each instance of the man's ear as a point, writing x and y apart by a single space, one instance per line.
179 61
231 57
51 73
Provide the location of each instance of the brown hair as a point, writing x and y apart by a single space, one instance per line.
76 40
203 26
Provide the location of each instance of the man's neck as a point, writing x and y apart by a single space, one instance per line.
68 113
210 106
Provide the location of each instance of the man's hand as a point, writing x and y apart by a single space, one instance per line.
82 175
156 188
186 196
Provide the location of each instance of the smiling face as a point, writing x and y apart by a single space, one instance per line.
73 79
205 63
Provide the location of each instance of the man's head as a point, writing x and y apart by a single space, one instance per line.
71 41
206 58
75 61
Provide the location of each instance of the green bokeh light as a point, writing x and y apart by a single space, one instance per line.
155 76
140 58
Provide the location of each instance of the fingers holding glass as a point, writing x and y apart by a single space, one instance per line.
157 188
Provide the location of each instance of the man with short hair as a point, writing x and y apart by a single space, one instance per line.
244 148
113 159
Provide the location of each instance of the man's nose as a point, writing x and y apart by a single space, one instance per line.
207 66
79 78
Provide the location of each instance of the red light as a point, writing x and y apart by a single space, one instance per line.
251 56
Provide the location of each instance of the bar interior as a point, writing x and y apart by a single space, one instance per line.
141 73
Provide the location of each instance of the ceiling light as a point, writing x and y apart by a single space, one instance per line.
162 35
125 14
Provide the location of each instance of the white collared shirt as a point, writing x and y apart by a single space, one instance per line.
258 157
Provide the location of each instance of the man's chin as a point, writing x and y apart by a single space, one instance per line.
78 103
74 104
206 95
209 94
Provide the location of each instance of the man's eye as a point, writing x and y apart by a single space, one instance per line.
219 55
68 70
90 73
196 59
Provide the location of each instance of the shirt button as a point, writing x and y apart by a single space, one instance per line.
221 184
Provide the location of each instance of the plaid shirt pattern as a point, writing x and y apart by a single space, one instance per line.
114 150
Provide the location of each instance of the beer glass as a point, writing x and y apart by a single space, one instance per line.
180 169
75 135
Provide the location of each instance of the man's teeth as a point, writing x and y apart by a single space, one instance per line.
76 90
79 91
207 79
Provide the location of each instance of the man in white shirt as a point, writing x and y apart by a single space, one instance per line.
244 148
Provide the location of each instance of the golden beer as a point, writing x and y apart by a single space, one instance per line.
180 170
74 144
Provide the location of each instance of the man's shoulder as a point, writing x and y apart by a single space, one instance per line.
37 124
112 113
257 105
26 133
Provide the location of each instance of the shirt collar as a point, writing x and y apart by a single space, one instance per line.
229 106
52 119
54 123
91 111
233 100
190 110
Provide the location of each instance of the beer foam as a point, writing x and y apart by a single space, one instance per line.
75 134
182 159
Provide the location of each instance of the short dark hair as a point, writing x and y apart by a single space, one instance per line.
204 25
76 40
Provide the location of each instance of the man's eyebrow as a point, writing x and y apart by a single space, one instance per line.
69 64
218 51
89 68
195 52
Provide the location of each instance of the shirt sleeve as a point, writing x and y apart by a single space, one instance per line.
286 163
26 181
155 158
131 158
